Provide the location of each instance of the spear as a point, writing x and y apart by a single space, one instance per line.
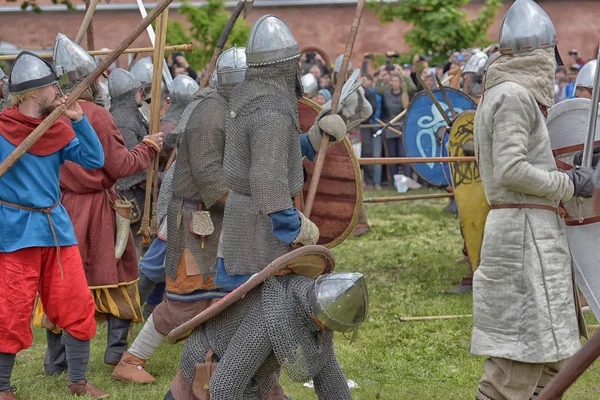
314 183
78 91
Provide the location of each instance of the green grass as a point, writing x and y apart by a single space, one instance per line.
409 261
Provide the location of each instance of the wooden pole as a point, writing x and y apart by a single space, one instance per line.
189 47
434 318
412 160
408 198
148 227
90 8
37 133
388 126
314 183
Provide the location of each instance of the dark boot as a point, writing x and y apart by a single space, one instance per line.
117 339
169 396
55 362
84 388
145 287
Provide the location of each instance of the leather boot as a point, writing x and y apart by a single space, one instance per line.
145 288
84 388
55 361
116 345
362 226
8 394
132 369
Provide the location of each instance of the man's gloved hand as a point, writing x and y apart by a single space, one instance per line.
595 157
582 181
332 125
309 232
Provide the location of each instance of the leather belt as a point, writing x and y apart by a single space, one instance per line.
46 211
187 203
556 210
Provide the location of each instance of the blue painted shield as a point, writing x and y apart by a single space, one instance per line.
421 124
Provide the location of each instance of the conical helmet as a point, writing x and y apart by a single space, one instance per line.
337 65
587 75
310 85
231 66
30 72
71 61
340 301
142 70
183 89
476 63
271 41
122 81
526 27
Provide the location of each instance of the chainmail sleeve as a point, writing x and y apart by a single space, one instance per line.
205 134
269 178
330 383
164 194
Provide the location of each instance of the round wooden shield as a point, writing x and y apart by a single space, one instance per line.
339 195
422 122
469 194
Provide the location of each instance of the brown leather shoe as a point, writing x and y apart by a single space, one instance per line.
8 395
360 230
131 369
83 388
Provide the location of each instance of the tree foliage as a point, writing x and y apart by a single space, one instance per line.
439 26
32 5
205 26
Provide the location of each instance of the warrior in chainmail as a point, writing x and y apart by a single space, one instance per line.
197 200
263 156
143 70
127 94
286 323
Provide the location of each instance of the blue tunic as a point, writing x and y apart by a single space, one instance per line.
34 182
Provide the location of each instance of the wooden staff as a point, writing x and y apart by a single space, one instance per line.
148 229
189 47
435 101
246 6
387 126
90 8
37 133
408 198
314 183
434 318
446 97
412 160
392 122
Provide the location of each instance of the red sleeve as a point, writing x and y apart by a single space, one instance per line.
118 161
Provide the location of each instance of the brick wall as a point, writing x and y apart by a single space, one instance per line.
324 26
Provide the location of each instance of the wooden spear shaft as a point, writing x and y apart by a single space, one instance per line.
90 9
412 160
188 47
408 198
78 91
314 182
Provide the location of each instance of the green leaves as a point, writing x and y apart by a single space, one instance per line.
203 27
439 26
32 5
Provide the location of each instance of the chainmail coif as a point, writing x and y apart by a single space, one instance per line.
271 328
263 164
133 128
199 178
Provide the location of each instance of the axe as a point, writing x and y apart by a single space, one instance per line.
246 6
87 21
166 73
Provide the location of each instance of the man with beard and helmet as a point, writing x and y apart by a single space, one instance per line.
89 198
524 313
263 156
127 95
473 75
198 192
288 324
142 70
38 250
4 92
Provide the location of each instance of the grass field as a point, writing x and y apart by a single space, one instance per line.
409 261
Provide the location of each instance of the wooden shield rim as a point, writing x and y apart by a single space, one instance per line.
405 119
357 178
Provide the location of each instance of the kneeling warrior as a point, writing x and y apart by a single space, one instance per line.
88 196
287 323
524 315
38 250
198 197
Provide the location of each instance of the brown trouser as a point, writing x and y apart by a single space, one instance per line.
170 314
513 380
